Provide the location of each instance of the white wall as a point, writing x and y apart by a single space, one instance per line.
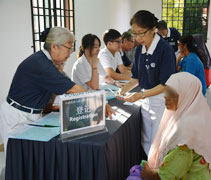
96 16
154 6
15 41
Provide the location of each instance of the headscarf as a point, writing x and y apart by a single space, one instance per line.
189 125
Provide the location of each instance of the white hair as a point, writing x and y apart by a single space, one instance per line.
58 36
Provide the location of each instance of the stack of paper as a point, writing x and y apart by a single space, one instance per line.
43 130
39 133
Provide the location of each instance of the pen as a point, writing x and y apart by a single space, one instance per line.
45 125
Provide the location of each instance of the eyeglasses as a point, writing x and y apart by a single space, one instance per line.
131 41
70 48
117 41
140 34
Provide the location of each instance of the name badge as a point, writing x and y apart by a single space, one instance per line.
172 43
153 65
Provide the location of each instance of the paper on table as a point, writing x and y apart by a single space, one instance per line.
51 119
39 133
110 95
105 86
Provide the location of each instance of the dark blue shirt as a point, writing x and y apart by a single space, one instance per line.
173 39
155 69
125 61
35 80
193 65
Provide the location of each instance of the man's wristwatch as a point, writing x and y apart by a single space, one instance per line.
142 95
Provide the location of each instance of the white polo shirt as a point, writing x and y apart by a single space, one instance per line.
108 60
82 72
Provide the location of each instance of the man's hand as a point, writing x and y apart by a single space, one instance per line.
119 84
109 111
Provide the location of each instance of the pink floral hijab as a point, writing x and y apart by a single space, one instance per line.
190 124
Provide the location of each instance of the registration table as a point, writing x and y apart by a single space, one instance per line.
104 156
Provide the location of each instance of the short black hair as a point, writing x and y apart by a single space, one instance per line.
144 19
162 25
110 35
126 35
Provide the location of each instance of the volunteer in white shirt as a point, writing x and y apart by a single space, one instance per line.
108 60
87 71
110 56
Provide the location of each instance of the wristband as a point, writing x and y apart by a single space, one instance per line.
142 95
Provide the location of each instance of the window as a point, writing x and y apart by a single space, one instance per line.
50 13
188 16
172 13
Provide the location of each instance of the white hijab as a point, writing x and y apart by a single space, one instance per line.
189 125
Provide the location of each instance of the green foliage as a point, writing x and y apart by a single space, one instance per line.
185 15
172 13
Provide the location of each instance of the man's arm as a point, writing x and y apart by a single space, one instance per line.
117 76
123 69
129 67
76 89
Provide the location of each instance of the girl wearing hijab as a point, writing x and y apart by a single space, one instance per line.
181 148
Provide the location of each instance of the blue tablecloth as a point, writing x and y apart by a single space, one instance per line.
105 156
